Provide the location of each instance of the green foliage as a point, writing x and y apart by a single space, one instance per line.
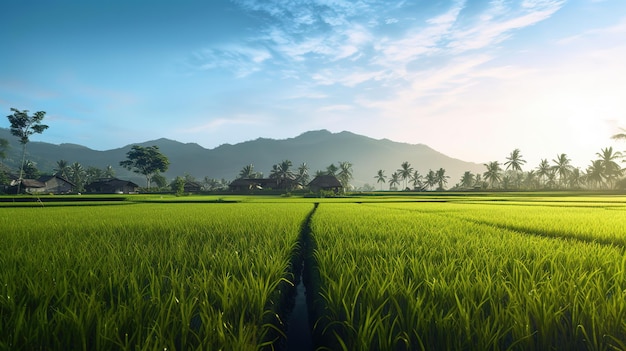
23 125
145 160
145 276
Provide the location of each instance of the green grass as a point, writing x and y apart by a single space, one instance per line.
419 271
145 276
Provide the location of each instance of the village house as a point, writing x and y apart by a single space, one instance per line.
326 183
112 186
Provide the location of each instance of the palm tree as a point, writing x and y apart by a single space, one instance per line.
109 172
595 173
562 167
418 180
405 172
530 180
576 178
247 172
479 181
467 180
394 180
515 161
380 178
77 175
442 178
332 169
62 169
611 170
303 174
492 175
543 170
345 174
431 179
620 136
282 171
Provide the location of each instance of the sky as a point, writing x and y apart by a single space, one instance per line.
472 79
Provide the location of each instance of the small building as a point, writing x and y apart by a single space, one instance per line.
112 186
245 184
192 187
53 184
326 183
56 184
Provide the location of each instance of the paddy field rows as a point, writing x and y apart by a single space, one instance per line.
404 273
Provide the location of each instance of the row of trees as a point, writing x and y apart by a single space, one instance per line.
407 175
283 172
604 172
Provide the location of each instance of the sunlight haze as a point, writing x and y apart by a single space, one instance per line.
471 79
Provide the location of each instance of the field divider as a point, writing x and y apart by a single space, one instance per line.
297 319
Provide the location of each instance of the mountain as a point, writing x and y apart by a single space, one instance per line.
317 148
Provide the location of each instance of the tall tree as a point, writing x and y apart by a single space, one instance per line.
247 172
492 175
562 167
303 174
394 180
77 175
23 126
62 169
442 178
405 172
332 169
543 170
418 180
345 174
381 178
431 179
145 160
515 161
109 172
282 171
611 170
467 180
30 170
595 174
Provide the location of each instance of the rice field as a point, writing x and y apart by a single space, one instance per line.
423 273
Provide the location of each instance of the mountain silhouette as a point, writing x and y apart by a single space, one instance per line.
317 148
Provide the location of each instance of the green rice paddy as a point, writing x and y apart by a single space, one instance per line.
478 271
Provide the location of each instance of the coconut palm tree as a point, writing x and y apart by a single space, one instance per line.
576 179
543 170
562 167
417 180
611 170
247 172
530 180
332 169
345 174
394 180
467 180
620 136
515 161
431 179
595 174
442 178
492 175
405 172
109 172
282 171
381 178
303 173
77 175
62 169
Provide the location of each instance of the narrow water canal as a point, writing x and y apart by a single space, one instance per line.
299 330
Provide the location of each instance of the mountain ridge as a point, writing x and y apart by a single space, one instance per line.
318 148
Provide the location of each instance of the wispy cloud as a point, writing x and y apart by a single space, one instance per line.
218 123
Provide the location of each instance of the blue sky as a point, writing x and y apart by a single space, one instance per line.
473 79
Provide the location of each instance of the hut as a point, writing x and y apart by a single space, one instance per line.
112 186
326 183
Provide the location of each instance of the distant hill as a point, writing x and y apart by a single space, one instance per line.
317 148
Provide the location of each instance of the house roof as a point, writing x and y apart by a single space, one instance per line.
326 181
46 178
33 183
112 182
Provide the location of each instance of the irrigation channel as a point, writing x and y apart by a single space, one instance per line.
299 324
